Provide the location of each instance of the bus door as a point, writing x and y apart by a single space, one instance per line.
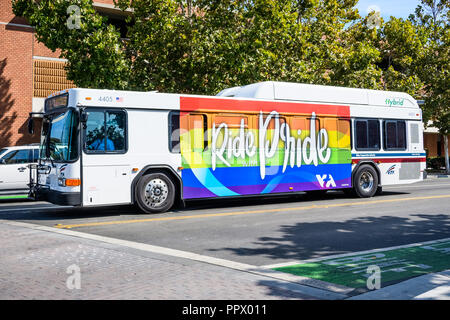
105 168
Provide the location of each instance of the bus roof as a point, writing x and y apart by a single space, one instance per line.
269 90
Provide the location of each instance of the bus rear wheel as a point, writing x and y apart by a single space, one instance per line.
155 193
365 181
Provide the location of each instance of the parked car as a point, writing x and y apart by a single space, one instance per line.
14 171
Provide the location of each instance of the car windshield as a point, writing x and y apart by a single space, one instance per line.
61 138
2 151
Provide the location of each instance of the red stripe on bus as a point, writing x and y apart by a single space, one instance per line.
390 160
220 105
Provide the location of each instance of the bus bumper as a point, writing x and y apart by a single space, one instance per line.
40 193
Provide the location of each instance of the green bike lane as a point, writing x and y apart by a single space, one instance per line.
362 271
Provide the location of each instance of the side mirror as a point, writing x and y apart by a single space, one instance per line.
45 126
83 118
30 125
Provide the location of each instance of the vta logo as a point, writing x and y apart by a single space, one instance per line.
391 170
326 180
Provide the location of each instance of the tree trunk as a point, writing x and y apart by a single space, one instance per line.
447 166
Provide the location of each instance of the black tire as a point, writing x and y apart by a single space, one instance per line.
155 193
379 191
365 181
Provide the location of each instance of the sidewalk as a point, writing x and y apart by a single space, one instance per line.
434 175
38 264
433 286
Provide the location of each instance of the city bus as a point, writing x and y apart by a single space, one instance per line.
157 150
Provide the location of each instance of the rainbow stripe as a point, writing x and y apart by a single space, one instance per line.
238 155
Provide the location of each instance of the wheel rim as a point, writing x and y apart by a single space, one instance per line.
156 192
366 181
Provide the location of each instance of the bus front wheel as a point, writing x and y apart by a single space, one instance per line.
155 193
365 181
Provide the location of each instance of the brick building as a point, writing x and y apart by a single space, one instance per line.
434 142
29 72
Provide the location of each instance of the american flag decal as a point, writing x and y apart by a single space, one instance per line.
119 99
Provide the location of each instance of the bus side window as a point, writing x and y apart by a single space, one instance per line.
115 131
105 132
367 135
95 131
198 131
394 135
344 135
174 132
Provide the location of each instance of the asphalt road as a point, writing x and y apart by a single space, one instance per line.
265 231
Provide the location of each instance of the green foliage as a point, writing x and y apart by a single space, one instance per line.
416 59
436 163
204 46
95 54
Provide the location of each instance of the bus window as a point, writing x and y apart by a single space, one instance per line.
394 135
367 135
198 129
174 132
95 131
105 132
344 135
115 131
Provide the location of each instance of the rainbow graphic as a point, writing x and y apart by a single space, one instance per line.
236 147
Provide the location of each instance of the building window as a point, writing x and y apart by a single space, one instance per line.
394 135
49 77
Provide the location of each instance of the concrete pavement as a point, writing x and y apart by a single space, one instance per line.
212 251
37 263
433 286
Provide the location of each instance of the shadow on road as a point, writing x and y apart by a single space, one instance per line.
31 212
273 199
303 241
307 240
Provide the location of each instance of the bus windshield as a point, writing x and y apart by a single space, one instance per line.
60 141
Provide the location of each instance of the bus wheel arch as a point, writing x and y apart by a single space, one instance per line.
163 179
366 179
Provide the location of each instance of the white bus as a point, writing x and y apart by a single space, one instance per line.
107 147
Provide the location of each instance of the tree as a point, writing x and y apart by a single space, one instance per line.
202 46
95 54
415 59
432 20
